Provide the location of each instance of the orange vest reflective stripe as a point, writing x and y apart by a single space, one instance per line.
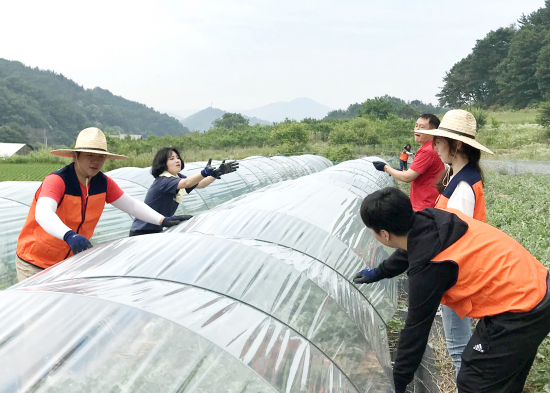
470 175
404 157
496 274
38 247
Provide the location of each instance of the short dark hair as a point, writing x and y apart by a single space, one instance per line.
159 162
434 121
388 209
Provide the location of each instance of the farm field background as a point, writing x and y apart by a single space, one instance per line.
26 172
517 204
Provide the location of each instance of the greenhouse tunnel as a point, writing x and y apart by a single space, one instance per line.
254 295
254 173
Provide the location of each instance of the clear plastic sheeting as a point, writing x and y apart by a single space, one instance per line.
317 215
262 304
254 173
15 201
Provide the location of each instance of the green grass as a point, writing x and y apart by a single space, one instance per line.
26 172
520 206
525 116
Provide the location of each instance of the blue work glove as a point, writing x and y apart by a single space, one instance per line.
379 165
366 276
172 221
209 171
76 242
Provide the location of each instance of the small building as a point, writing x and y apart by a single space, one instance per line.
9 149
133 137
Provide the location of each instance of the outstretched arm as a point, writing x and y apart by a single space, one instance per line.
406 176
396 264
193 180
47 218
138 209
206 182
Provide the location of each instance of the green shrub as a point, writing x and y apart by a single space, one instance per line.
480 114
358 131
289 132
544 115
342 153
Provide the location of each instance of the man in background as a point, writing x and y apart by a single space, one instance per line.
426 169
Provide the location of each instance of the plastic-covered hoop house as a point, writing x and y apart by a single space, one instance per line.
251 296
254 173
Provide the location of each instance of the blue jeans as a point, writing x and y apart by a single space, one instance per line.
457 334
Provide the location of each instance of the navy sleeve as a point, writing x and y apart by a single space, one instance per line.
168 185
427 284
188 190
396 264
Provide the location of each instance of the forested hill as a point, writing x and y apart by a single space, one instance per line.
509 67
33 101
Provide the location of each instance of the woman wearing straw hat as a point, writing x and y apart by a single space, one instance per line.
454 141
69 203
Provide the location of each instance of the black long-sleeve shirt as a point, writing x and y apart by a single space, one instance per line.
433 231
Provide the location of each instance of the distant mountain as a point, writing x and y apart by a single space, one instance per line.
202 120
46 102
297 109
181 114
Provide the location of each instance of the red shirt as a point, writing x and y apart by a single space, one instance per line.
429 165
54 187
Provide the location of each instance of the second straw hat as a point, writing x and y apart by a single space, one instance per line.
460 125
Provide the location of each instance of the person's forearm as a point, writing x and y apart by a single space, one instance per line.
404 176
206 182
47 218
395 265
138 209
191 181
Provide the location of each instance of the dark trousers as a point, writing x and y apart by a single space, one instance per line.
502 349
403 165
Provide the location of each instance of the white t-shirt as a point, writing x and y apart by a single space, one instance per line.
463 199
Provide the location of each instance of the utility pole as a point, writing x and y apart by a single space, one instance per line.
45 139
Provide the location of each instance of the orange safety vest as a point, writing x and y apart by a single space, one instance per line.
470 175
39 248
404 156
496 274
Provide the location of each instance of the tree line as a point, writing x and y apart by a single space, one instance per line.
336 138
34 103
509 67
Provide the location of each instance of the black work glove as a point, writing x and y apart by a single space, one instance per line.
366 276
209 171
76 242
228 167
379 165
175 220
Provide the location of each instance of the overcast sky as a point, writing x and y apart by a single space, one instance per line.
242 54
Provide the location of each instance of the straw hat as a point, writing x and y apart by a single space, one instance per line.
90 140
460 125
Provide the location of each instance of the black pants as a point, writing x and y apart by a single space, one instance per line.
502 349
403 165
